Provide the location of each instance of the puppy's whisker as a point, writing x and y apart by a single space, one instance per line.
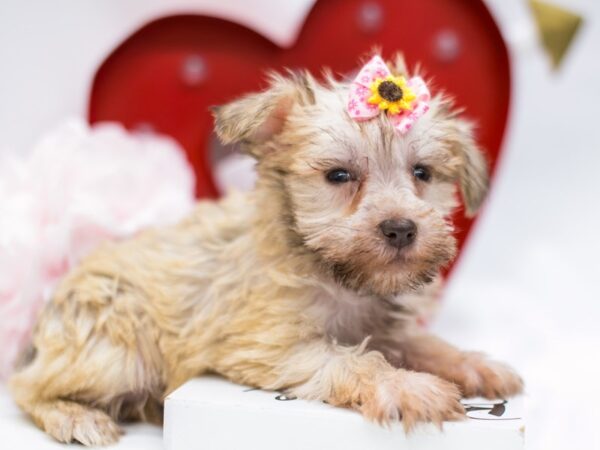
347 227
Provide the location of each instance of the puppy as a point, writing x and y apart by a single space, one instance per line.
308 284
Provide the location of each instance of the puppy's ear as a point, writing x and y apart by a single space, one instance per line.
256 118
473 171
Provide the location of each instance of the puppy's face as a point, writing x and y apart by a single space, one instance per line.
372 204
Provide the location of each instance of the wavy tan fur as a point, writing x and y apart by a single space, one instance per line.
290 287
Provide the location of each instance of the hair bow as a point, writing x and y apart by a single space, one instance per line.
375 89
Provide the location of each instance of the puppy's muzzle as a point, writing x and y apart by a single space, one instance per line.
399 233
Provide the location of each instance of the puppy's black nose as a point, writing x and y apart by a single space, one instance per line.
399 233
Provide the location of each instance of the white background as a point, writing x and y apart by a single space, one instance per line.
527 290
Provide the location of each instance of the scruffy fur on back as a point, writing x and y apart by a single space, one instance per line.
297 285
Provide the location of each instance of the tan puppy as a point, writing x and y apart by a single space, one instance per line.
307 284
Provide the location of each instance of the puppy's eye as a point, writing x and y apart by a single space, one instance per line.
421 173
336 176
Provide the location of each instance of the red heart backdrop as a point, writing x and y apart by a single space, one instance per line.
169 72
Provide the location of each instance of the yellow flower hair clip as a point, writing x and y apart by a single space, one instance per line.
392 94
376 89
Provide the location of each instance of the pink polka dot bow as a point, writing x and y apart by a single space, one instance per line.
376 90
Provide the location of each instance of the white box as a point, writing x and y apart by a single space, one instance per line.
210 413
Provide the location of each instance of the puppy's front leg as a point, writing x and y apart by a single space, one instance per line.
364 380
473 372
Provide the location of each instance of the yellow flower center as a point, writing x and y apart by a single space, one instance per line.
390 91
392 94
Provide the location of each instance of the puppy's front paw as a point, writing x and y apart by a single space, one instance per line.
414 397
479 376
